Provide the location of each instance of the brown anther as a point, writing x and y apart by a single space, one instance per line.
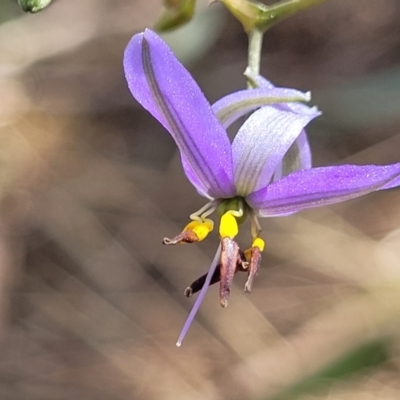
184 237
197 285
253 268
230 257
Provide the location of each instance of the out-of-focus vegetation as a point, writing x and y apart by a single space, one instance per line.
91 303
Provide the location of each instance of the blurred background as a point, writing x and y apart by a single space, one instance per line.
91 303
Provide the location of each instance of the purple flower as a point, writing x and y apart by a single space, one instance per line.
266 170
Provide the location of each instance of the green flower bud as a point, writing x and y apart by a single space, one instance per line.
33 6
255 15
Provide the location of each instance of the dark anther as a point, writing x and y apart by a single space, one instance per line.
198 284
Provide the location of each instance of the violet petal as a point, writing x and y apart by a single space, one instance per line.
161 84
322 186
392 184
298 156
235 105
260 145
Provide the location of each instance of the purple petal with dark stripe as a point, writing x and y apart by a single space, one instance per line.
161 84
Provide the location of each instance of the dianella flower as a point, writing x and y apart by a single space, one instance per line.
265 171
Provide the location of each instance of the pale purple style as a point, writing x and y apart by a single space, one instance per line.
268 163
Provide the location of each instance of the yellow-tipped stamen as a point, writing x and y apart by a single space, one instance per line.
253 257
194 231
228 227
258 242
200 228
191 225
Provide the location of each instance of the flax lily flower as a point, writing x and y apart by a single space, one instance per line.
265 172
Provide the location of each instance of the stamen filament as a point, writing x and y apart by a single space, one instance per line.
203 212
209 212
238 213
255 225
200 298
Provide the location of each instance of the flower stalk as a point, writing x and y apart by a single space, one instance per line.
254 53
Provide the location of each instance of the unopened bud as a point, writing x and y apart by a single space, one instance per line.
33 6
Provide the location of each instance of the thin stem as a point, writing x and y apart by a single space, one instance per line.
200 298
254 53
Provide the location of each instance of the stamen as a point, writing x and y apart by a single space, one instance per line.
209 212
253 269
194 231
258 242
200 298
228 227
254 256
230 257
255 225
188 236
198 215
203 229
238 213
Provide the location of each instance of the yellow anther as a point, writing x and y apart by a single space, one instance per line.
194 231
200 228
191 225
258 242
228 226
203 229
209 224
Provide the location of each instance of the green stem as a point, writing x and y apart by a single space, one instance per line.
257 18
254 53
255 46
255 15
